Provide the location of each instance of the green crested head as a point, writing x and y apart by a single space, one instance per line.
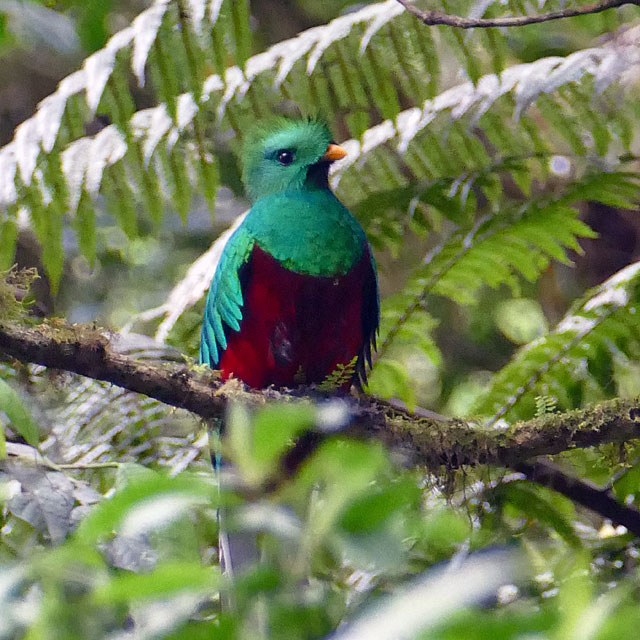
283 154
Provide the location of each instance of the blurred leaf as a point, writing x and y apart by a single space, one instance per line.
531 502
368 513
260 580
143 504
131 473
627 485
521 320
433 597
444 529
46 502
274 429
484 625
20 418
164 580
390 379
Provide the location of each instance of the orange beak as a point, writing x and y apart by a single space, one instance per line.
334 152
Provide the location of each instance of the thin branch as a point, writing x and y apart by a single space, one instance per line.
31 456
90 352
89 466
586 493
432 17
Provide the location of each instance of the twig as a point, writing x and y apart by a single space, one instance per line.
433 17
79 466
33 456
90 352
589 495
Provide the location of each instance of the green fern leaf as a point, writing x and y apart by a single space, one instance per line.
579 352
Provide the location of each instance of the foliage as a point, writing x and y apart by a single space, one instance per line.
15 285
577 358
161 155
348 518
473 159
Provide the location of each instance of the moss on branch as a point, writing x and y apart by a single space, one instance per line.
92 352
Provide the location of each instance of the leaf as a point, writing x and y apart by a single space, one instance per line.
370 512
492 252
432 597
241 31
627 485
521 320
143 505
389 378
45 502
274 429
339 377
20 418
164 580
445 134
531 501
601 326
345 470
8 242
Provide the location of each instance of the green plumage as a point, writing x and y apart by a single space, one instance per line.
262 174
307 231
224 300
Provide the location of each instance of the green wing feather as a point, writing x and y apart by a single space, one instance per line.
278 223
223 307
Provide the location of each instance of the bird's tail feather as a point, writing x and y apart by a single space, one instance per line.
237 550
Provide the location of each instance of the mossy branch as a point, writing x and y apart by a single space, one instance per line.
93 352
96 353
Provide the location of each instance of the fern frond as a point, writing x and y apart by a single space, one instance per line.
342 375
51 169
97 422
545 405
411 140
349 68
90 421
502 247
498 249
579 354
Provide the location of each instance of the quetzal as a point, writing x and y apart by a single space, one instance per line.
295 292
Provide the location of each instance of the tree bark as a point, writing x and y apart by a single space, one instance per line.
92 352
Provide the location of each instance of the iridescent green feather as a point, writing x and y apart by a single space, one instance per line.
224 300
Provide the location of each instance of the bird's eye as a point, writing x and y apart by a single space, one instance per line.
285 157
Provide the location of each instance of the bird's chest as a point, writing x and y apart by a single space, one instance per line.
310 244
295 327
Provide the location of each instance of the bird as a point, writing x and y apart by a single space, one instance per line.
294 296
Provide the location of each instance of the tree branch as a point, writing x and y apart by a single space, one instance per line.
432 17
589 495
94 353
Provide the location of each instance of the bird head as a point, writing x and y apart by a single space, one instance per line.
285 154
